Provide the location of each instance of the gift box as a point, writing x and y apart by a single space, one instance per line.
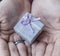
29 27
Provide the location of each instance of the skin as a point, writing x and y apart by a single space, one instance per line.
49 39
48 43
17 8
10 12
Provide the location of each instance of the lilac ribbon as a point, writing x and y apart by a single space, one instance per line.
28 20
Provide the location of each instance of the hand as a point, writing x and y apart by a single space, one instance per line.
10 49
10 11
49 39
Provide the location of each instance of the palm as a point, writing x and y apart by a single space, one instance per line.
10 11
49 39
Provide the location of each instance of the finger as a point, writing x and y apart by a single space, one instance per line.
56 51
21 47
11 39
29 48
8 32
49 49
34 48
5 37
13 49
4 51
40 49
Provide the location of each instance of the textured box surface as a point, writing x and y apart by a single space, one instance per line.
29 27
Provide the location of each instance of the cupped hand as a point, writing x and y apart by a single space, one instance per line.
48 43
10 13
11 49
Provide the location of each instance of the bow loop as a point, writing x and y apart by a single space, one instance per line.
28 19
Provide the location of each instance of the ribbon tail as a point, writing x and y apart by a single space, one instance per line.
37 19
32 30
36 26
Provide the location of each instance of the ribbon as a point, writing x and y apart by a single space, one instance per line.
28 20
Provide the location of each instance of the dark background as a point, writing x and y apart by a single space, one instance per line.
0 0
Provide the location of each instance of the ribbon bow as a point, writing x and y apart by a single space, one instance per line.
28 20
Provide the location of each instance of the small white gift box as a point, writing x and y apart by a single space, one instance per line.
29 27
